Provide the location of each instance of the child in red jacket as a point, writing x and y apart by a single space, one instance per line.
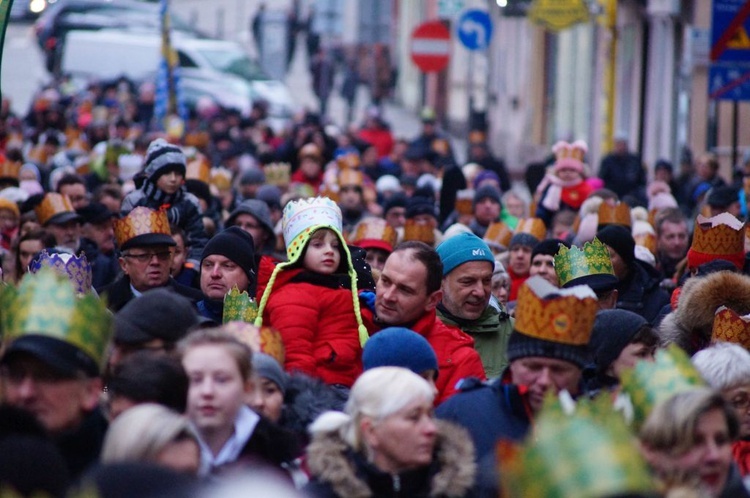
318 318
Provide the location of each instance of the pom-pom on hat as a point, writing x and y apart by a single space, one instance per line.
399 347
301 219
161 156
461 249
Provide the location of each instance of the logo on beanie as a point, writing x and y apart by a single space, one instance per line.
478 252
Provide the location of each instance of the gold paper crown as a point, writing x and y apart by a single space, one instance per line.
221 178
588 454
722 234
376 231
575 263
45 303
259 339
141 221
498 234
239 307
348 161
731 327
558 315
198 168
419 232
649 384
614 214
564 150
532 226
465 201
277 174
53 204
9 169
350 177
647 240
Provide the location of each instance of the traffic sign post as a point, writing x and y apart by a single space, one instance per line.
474 29
430 46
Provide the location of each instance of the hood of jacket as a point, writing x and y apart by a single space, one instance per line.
331 461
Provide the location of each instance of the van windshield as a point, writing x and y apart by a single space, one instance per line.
234 63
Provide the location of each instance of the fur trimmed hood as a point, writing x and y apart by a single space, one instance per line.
333 465
690 325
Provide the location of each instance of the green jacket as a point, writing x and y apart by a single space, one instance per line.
490 333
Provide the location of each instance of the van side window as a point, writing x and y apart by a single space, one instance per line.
185 60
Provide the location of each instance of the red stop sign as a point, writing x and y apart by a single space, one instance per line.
431 46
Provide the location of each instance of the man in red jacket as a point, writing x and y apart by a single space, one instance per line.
406 296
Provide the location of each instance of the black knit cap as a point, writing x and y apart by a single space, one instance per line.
620 240
235 244
613 331
723 196
420 205
521 345
549 247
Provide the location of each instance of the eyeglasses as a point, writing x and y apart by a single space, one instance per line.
148 256
741 403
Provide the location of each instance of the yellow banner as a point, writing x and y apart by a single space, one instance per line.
557 15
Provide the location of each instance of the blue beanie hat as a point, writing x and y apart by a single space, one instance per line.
461 249
399 347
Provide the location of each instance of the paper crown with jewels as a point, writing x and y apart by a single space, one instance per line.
648 384
74 268
259 339
532 226
55 208
498 235
720 237
570 155
729 326
465 201
374 233
589 453
564 316
46 305
614 214
278 174
420 232
198 168
300 220
590 265
143 227
239 307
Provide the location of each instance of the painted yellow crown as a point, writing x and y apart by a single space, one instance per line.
259 339
9 169
52 204
350 177
239 307
615 214
374 229
221 178
465 201
278 174
198 168
419 232
141 221
564 150
348 161
649 384
722 234
574 263
46 303
498 234
731 327
532 226
588 454
558 315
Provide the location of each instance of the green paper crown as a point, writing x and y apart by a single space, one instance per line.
239 307
588 454
649 384
45 303
575 263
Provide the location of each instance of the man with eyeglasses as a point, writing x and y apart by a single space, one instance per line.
145 241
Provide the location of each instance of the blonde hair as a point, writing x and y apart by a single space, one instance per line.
219 336
670 428
377 393
142 432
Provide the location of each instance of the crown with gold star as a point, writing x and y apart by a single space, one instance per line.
74 268
259 339
47 305
564 316
278 174
614 214
574 263
143 227
498 235
532 226
720 237
589 453
648 384
239 307
731 327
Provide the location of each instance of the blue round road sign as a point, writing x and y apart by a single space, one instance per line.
474 29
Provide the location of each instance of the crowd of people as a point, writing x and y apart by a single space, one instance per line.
353 314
